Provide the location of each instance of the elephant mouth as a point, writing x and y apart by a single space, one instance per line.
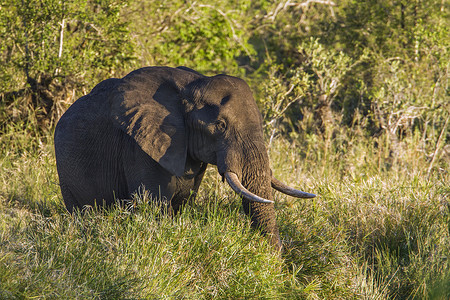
234 182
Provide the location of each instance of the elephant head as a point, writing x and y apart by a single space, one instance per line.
182 121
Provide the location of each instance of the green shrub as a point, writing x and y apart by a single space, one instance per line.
54 51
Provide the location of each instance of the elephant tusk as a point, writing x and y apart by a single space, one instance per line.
236 185
281 187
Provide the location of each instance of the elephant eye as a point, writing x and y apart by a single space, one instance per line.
221 126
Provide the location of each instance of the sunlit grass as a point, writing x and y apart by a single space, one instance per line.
378 229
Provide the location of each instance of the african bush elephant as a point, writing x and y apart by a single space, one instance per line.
160 127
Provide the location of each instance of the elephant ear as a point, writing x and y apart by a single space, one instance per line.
149 109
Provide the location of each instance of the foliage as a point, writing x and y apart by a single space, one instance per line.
195 34
52 51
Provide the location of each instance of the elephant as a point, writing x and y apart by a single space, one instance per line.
160 127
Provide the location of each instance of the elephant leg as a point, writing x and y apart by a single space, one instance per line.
141 171
69 200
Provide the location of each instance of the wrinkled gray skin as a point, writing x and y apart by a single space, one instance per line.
160 127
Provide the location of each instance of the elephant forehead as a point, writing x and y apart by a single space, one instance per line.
243 106
222 85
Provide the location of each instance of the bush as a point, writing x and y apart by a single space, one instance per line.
54 51
208 38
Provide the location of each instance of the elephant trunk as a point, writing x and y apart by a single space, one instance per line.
262 214
251 178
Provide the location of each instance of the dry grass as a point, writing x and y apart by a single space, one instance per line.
378 230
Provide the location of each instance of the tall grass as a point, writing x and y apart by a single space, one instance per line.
380 228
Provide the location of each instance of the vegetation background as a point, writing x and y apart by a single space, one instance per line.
355 99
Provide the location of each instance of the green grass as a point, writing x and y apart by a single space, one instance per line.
379 229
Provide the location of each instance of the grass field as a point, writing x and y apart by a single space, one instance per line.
354 97
380 228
